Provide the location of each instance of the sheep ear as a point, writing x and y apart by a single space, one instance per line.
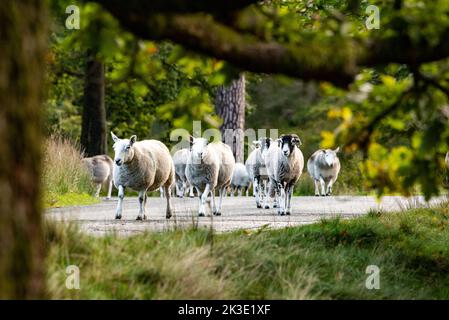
337 150
132 139
296 140
114 137
279 141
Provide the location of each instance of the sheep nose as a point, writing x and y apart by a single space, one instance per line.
118 162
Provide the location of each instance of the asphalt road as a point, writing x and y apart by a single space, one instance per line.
237 213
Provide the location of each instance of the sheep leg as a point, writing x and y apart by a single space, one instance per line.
239 191
141 215
329 187
191 194
97 192
161 192
257 191
317 187
203 198
272 192
323 184
247 191
121 196
109 189
168 213
279 198
212 201
289 199
220 194
266 205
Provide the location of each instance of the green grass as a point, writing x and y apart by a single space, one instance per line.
69 199
325 260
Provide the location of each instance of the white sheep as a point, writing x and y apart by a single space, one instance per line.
324 167
240 180
255 166
180 159
100 169
209 167
142 166
285 162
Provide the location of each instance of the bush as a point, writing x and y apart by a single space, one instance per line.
63 172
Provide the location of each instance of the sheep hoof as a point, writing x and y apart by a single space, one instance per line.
275 205
317 194
118 216
267 207
217 213
140 218
168 216
259 206
323 195
280 213
287 213
200 214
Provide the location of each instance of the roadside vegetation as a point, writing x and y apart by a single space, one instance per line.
66 182
325 260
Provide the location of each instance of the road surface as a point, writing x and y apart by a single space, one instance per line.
237 213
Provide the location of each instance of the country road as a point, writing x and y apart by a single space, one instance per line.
238 213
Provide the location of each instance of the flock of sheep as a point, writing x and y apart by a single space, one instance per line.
273 168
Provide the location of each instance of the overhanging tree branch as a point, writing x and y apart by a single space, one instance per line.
336 59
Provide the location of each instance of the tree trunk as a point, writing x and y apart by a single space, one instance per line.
93 131
23 35
230 106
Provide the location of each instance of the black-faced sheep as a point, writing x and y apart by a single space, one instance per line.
142 166
285 162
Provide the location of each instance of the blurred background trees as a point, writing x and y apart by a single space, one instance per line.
381 94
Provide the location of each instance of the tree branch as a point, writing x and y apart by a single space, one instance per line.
175 6
336 59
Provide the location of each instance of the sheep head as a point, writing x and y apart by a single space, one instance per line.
287 143
123 148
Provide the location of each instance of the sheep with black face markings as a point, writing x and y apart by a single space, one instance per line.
257 171
285 162
142 166
100 168
324 167
209 167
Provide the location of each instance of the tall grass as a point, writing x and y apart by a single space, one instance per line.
63 171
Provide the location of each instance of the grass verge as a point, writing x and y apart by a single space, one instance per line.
325 260
66 181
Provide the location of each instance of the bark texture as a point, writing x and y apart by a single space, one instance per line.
230 106
23 37
93 131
